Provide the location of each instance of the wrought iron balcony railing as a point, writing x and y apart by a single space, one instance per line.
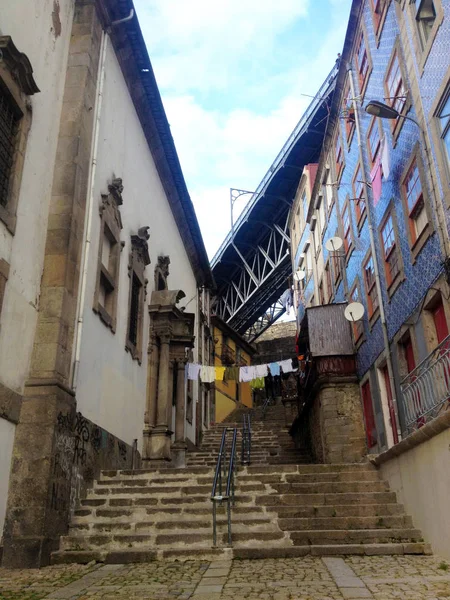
228 355
427 388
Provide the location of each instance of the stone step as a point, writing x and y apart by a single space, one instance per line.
127 556
348 522
330 487
311 468
355 536
345 510
270 500
342 476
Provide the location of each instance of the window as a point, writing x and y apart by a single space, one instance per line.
425 17
391 251
16 82
337 268
369 417
440 321
379 10
358 194
346 226
317 241
322 215
373 139
139 259
349 114
329 283
339 157
362 62
408 353
415 205
396 93
443 118
308 263
327 190
357 326
106 290
371 288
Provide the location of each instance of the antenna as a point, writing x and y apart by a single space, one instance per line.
354 312
334 243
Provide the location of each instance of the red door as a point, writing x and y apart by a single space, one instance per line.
440 322
387 383
369 417
409 355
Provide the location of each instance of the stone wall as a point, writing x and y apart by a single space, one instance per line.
277 343
336 423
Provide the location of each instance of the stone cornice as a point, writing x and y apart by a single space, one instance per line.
18 64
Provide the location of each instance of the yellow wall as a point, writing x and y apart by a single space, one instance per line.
226 391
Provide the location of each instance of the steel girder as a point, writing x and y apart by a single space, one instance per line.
256 268
273 313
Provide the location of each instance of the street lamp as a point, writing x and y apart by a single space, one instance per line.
383 111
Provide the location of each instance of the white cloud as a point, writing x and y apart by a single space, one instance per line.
201 46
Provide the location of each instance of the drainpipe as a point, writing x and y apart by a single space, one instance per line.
89 208
387 348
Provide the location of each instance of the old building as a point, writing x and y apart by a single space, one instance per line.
104 278
230 350
373 228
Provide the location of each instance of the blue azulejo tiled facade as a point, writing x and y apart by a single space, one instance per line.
392 175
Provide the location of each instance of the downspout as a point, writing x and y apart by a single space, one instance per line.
89 208
375 264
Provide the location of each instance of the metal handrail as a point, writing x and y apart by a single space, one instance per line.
265 406
246 440
427 388
221 472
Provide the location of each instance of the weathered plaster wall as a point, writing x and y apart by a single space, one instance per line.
7 431
421 479
111 387
42 31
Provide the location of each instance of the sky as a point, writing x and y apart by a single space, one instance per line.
235 76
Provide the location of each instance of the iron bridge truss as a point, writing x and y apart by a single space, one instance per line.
253 265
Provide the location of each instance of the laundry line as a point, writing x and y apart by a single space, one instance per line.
209 374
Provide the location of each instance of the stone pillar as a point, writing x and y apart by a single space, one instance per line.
152 393
39 489
180 446
160 434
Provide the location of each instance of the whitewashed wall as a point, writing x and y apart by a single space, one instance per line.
30 25
7 431
111 387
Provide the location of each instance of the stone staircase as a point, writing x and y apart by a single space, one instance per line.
281 510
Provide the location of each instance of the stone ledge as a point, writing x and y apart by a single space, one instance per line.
425 433
10 404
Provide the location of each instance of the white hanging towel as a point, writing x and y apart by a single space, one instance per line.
246 374
207 374
385 160
193 371
286 365
260 371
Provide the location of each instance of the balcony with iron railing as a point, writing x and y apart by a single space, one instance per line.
228 355
426 390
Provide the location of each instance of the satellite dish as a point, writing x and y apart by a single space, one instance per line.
334 243
299 275
354 312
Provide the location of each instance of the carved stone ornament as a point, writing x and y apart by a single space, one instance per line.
115 189
140 246
163 264
110 204
18 64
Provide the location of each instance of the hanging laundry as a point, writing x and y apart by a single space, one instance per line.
274 368
385 158
257 384
375 177
286 300
220 372
231 374
207 374
193 371
261 371
246 374
286 365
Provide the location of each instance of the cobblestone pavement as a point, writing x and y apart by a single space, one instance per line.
352 578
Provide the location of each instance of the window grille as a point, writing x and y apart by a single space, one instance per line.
8 131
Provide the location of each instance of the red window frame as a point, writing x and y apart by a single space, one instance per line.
390 251
370 285
369 417
387 383
409 355
358 194
362 60
339 157
377 9
357 326
373 142
346 225
395 88
440 321
413 191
